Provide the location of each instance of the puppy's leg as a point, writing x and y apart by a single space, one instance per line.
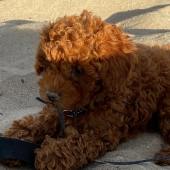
34 128
164 155
71 152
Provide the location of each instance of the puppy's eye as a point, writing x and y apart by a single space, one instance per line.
77 71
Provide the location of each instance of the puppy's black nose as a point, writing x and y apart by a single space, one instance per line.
53 96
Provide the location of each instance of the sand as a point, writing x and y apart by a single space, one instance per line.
148 21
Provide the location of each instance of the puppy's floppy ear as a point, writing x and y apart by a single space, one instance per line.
41 63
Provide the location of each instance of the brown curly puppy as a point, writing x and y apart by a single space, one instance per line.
88 63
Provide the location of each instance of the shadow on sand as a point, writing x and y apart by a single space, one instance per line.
121 16
19 39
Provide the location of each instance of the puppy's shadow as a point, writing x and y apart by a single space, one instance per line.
17 22
146 32
121 16
19 39
18 84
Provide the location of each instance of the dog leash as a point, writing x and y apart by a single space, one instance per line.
16 149
126 162
154 159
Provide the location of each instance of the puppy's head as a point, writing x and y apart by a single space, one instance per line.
81 59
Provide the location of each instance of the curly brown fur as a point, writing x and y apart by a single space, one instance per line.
93 64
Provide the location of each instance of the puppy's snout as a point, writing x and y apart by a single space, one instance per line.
53 96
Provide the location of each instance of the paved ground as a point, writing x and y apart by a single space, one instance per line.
20 22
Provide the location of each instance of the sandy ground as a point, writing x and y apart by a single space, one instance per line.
20 22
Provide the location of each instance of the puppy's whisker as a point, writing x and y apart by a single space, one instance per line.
43 101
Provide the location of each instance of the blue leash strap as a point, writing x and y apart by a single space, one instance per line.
17 149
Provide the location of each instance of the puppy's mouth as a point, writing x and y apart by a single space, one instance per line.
63 112
72 113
